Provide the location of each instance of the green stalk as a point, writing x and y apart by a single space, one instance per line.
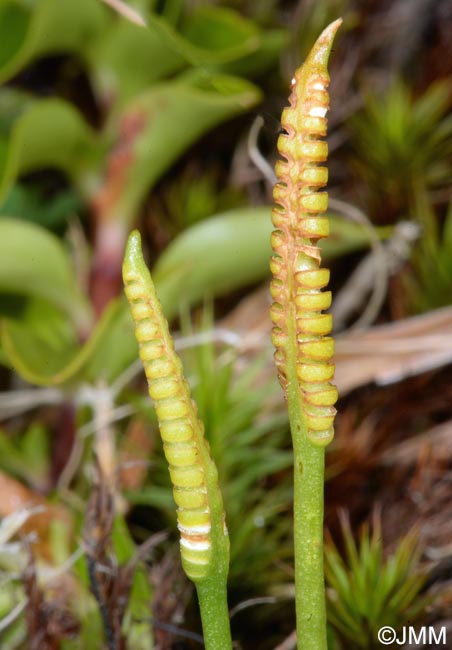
212 598
309 470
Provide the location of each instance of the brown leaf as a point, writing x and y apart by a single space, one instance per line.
15 496
48 622
136 447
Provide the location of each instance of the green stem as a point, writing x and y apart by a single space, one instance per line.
213 605
309 470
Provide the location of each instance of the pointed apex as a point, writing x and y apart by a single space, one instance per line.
320 53
133 256
133 244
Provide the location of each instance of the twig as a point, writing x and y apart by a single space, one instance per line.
289 642
252 602
109 632
18 401
380 284
7 620
128 12
383 261
254 152
177 631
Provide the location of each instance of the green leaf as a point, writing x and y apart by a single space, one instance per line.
117 348
31 204
45 133
266 56
130 58
221 32
26 457
40 343
50 357
30 29
207 259
137 625
34 263
168 119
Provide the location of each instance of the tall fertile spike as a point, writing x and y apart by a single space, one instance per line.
297 217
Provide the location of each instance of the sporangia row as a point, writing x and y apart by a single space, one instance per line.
298 281
182 432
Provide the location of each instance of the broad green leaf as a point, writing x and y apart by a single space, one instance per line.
218 35
130 58
137 624
123 57
116 350
46 133
170 10
267 55
32 204
207 259
26 457
34 263
51 358
229 251
163 122
39 342
33 28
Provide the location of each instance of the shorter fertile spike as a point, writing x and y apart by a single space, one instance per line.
192 471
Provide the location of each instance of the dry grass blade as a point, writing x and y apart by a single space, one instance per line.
171 596
110 583
438 440
390 353
48 623
136 445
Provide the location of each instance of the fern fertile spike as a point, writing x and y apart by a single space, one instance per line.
191 468
299 223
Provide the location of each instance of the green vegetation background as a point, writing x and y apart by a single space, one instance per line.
106 124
